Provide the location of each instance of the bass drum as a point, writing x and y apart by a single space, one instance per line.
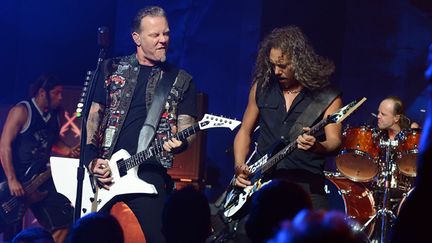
352 198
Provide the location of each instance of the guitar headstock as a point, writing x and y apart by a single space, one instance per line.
212 121
80 105
345 111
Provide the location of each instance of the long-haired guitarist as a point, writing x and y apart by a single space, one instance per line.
290 93
30 132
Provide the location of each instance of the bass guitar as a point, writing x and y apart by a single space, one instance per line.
237 197
13 208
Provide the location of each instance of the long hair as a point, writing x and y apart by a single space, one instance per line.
310 69
46 82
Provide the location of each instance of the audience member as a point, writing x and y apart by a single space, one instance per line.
277 201
415 207
33 235
186 217
318 226
96 228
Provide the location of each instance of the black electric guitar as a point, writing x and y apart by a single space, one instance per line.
13 208
237 197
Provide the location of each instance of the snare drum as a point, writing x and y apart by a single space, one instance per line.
357 159
409 140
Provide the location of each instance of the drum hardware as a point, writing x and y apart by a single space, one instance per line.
364 194
405 196
385 214
345 191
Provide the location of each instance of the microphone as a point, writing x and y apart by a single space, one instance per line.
103 37
372 120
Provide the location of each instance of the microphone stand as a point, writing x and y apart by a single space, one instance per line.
85 113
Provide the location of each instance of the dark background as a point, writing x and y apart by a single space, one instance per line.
379 48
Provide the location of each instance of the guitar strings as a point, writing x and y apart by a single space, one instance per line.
14 200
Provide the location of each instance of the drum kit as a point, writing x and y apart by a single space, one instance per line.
375 175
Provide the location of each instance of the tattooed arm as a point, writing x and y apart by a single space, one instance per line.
93 122
177 146
185 121
97 166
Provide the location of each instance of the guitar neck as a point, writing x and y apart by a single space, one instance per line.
157 147
337 117
290 147
36 182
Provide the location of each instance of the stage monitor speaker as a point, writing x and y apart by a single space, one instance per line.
189 165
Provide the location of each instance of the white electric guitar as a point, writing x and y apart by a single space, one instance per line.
124 168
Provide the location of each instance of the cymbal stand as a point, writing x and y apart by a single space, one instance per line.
385 214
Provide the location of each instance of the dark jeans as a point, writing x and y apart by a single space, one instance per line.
148 207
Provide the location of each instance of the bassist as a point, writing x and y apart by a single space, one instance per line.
289 95
30 131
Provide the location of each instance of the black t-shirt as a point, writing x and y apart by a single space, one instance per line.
128 137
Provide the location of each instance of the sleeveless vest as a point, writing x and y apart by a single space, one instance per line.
32 147
121 76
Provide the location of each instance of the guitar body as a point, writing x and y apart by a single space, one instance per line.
127 183
237 197
12 208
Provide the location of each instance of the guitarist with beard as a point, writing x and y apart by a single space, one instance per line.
127 91
29 134
290 94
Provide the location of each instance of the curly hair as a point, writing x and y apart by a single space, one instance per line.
310 69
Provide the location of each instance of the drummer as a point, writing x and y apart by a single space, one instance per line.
391 117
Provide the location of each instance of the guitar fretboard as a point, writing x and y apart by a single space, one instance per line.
157 147
34 184
266 165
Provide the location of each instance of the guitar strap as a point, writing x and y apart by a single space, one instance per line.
322 100
153 115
